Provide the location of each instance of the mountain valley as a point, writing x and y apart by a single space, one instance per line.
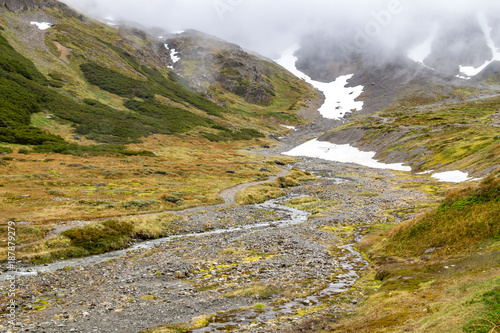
156 181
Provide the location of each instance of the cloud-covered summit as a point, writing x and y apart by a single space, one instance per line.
270 26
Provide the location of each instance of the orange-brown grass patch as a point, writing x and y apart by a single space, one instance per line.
44 189
462 222
436 296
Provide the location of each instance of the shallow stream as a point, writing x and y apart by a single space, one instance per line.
350 263
293 216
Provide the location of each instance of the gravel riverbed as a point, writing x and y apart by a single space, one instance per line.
183 278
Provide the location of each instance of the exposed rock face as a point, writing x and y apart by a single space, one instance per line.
206 60
242 75
25 5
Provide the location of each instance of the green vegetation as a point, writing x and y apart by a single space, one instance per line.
489 319
6 150
228 135
116 83
464 220
124 86
102 237
91 150
272 190
456 135
94 238
17 101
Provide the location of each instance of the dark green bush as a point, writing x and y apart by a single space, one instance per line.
24 151
5 150
227 134
102 237
56 84
172 199
114 82
92 150
139 204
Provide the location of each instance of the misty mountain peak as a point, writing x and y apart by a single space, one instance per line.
23 5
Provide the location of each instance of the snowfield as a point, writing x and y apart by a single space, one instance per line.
173 55
470 71
452 176
339 99
342 153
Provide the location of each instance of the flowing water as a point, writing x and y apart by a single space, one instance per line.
350 263
293 216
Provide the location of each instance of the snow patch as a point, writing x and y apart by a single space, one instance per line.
470 71
422 51
290 127
339 99
463 77
42 25
173 55
342 153
452 176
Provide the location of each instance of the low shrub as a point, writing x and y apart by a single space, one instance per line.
5 150
139 204
172 199
102 237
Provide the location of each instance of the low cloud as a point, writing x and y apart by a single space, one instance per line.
270 26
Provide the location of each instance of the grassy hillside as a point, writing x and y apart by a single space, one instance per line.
93 125
456 135
465 219
113 86
436 273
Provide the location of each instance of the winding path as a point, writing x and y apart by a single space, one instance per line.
228 195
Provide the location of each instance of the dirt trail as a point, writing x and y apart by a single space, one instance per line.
184 278
65 52
228 195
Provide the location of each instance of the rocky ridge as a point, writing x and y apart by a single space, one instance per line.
221 63
17 6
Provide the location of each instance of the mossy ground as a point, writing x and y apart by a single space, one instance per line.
453 136
44 189
426 279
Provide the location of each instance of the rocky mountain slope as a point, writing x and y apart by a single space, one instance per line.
436 86
110 71
207 62
142 175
